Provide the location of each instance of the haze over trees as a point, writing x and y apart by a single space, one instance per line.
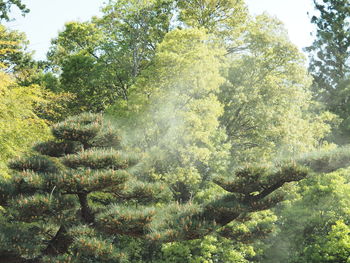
175 131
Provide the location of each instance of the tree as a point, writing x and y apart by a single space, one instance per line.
26 107
268 109
329 58
20 126
333 247
73 199
5 7
101 59
177 110
13 50
133 29
75 54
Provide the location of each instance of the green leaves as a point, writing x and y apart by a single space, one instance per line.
225 19
20 127
334 246
177 108
307 220
329 55
101 59
5 6
267 98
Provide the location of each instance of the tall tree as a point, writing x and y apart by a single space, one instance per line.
267 98
20 125
101 59
329 57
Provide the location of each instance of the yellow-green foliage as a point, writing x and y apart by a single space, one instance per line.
314 226
224 18
19 125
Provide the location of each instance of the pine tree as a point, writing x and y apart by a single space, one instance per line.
72 200
329 59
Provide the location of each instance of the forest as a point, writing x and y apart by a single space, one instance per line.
176 131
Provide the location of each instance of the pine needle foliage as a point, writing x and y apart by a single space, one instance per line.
73 196
327 161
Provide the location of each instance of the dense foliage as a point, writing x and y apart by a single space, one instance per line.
329 60
76 195
216 113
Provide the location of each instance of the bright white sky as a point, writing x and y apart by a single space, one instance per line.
47 17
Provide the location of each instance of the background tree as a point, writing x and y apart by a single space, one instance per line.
5 8
329 59
186 158
26 107
101 59
177 110
15 57
267 97
20 127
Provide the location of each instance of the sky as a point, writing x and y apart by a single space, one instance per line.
47 18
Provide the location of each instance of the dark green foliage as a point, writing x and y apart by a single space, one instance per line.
96 159
5 6
147 192
39 207
126 221
58 149
258 182
329 59
82 129
38 163
89 180
49 197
